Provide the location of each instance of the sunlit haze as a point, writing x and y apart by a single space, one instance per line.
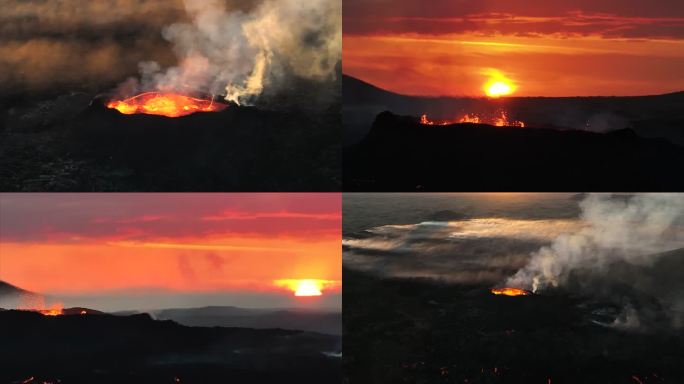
141 251
554 48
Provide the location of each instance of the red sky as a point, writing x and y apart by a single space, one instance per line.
552 48
89 244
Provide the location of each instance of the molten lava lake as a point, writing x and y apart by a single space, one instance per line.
507 291
165 104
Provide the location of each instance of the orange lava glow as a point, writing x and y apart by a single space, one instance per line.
36 303
500 120
55 310
305 287
164 104
51 312
510 291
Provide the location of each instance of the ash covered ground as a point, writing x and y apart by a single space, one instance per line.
422 331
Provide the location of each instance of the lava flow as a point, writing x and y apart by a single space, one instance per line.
500 120
510 291
164 104
55 310
32 302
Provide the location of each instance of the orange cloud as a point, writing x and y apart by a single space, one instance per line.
548 66
101 243
554 48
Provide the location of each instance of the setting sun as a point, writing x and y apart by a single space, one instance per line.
497 89
498 84
306 287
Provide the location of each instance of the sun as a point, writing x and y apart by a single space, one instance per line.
498 88
497 84
305 287
308 288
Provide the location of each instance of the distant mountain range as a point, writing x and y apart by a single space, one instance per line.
188 345
306 320
328 322
7 289
11 296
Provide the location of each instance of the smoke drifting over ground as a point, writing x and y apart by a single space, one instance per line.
621 255
629 250
473 251
240 53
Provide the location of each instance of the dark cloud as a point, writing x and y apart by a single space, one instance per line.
50 46
631 19
64 217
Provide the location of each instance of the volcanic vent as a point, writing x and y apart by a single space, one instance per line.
165 104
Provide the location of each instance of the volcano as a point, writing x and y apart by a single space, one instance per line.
85 146
402 154
165 104
12 296
397 142
507 291
7 289
434 332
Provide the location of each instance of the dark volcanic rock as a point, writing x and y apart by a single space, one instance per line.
400 154
92 148
137 349
420 331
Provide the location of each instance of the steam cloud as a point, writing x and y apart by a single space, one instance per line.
240 53
631 241
631 230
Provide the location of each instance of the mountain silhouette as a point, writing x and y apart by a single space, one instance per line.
299 319
138 349
656 116
401 154
7 289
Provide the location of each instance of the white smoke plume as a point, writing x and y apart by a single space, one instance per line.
239 53
632 229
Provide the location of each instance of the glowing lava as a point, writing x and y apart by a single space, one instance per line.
55 310
510 291
500 120
164 104
305 287
31 302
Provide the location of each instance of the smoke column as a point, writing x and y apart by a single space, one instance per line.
628 250
240 53
633 229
